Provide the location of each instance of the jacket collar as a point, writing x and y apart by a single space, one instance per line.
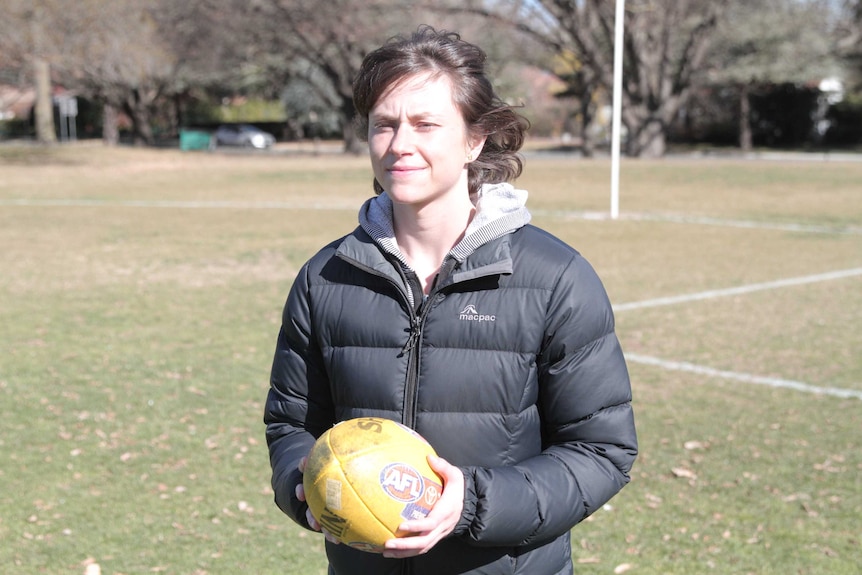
483 251
500 210
492 258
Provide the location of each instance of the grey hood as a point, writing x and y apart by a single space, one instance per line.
500 210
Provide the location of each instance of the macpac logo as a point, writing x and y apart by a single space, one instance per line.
469 313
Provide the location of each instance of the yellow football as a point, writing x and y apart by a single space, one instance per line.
365 476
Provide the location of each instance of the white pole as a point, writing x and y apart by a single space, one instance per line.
619 19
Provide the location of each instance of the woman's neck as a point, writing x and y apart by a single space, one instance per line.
426 235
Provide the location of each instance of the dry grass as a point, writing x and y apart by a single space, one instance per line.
141 292
799 191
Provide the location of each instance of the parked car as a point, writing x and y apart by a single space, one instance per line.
243 135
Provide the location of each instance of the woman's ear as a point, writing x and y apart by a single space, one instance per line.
474 148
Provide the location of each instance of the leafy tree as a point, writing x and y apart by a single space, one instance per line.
760 43
849 32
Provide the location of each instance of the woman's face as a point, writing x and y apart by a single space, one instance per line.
418 141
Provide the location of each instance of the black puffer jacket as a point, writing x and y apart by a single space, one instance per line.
510 369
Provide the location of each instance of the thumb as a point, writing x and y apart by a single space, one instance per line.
441 466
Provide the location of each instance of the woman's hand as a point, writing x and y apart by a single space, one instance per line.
300 494
309 518
423 534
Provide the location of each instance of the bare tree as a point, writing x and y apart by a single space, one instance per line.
665 43
141 57
108 49
122 60
28 40
132 56
543 25
322 45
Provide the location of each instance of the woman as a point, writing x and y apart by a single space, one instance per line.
446 311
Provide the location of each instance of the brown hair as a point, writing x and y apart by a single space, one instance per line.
485 114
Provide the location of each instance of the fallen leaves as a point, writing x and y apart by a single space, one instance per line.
756 537
831 465
684 473
653 501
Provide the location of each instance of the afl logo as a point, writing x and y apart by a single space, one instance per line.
401 482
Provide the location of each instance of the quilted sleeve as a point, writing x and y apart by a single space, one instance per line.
588 431
298 404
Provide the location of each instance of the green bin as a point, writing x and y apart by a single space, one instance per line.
194 140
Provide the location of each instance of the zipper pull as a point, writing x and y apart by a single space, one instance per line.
412 338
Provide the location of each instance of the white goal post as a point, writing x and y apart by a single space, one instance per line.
619 19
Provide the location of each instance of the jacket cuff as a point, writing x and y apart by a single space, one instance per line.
468 512
286 500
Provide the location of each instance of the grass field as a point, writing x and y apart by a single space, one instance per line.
140 298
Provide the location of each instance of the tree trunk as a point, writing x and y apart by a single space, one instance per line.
745 135
139 111
588 146
648 141
44 109
110 127
352 143
177 114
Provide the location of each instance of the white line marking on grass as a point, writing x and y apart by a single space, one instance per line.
712 294
703 220
746 224
179 204
581 215
743 377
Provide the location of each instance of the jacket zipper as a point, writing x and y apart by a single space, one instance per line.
414 338
413 347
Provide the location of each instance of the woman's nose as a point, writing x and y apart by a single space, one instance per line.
402 140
